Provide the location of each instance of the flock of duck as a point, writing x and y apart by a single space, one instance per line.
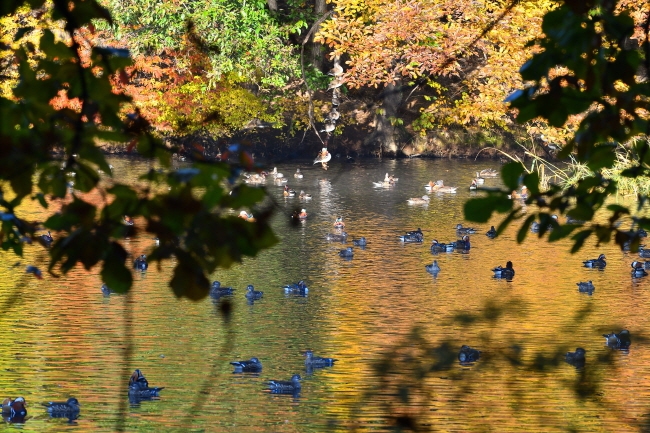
468 354
15 410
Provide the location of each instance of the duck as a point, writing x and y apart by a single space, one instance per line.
280 180
304 196
288 192
433 268
275 173
336 83
468 355
106 291
492 233
246 216
140 263
361 242
464 230
390 178
298 174
333 115
474 185
323 157
523 195
63 409
336 237
586 286
508 272
419 200
303 214
348 252
329 126
216 291
252 294
299 288
34 270
139 387
596 263
285 387
437 247
252 365
339 224
638 269
412 237
535 226
479 180
383 184
128 220
336 71
577 358
16 408
627 246
317 361
47 239
255 178
462 244
489 172
644 253
618 341
571 220
442 188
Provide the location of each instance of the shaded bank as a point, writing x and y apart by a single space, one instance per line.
356 137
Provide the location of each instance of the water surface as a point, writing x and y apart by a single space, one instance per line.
63 338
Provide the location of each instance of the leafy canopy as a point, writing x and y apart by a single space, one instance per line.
63 102
585 64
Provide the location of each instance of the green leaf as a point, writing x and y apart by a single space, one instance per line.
579 239
511 174
480 209
54 50
602 156
561 232
189 280
114 271
523 231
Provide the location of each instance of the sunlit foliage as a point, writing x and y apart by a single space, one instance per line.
62 103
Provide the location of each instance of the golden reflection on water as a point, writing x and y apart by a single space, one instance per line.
63 338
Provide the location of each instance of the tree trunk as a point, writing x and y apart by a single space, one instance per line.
273 5
317 50
385 131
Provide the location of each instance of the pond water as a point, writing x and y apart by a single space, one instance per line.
395 329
